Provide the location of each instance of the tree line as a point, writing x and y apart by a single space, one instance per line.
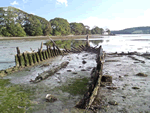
17 23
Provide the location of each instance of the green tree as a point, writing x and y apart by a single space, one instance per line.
76 28
13 29
88 31
60 25
45 25
33 27
97 30
108 31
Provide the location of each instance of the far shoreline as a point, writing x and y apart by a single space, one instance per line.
69 37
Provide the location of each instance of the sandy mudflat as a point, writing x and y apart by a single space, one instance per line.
131 93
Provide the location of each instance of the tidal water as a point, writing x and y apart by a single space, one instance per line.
118 43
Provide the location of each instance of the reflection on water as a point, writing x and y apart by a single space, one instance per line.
118 43
75 43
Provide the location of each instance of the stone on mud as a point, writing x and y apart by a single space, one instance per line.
112 88
135 88
106 78
113 103
50 98
141 74
84 62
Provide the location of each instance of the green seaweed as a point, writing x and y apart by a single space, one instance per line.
77 87
14 98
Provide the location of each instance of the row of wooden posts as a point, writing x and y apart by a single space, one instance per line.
29 59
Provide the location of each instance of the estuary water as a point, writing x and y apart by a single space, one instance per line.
118 43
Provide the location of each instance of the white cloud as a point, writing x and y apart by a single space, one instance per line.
62 2
14 3
118 23
32 13
25 1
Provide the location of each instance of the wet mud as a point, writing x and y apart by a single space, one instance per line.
67 86
128 93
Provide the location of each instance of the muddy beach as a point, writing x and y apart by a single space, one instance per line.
128 93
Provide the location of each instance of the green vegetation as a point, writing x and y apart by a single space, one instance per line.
17 23
60 26
97 30
77 87
77 28
14 98
134 30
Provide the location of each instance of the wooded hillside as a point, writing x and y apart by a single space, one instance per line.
17 23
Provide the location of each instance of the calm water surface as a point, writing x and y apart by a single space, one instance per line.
118 43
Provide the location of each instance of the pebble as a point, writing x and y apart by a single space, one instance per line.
135 88
68 70
113 103
83 70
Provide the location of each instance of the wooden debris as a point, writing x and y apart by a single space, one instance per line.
46 74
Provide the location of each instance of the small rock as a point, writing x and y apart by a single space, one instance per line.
113 103
58 73
69 70
123 89
106 78
135 88
112 88
89 68
123 96
85 55
84 62
80 66
50 98
126 75
120 77
141 74
74 73
136 62
83 70
142 61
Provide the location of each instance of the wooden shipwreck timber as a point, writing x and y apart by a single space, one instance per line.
27 59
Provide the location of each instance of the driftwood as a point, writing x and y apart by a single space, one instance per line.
46 74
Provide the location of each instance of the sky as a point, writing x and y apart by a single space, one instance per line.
112 14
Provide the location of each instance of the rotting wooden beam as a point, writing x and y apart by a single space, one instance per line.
96 75
56 46
26 59
46 74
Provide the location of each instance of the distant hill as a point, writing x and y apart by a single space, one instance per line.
134 30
